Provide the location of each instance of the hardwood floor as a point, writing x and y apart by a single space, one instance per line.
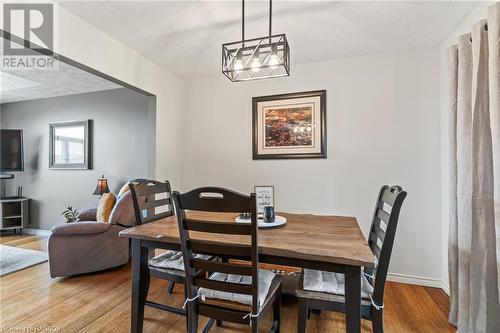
30 301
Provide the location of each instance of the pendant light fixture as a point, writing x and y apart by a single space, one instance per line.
257 58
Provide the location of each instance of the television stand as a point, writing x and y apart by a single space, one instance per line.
15 214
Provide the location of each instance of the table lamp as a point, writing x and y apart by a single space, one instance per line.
102 186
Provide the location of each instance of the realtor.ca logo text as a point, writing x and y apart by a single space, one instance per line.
30 36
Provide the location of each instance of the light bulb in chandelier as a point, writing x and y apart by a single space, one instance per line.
274 60
256 62
238 66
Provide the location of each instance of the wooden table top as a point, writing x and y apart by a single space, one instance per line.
331 239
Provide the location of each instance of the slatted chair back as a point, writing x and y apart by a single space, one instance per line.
152 200
214 199
382 233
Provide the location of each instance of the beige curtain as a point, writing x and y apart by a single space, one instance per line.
474 116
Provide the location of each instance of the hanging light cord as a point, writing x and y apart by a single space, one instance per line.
270 15
243 20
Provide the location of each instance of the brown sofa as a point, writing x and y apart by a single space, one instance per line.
89 246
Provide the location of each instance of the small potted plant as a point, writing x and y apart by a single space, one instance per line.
70 214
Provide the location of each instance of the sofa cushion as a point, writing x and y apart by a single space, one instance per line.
123 213
80 228
87 215
105 207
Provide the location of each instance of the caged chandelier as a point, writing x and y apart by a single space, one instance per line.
258 58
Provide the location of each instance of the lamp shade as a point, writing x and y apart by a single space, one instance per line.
102 186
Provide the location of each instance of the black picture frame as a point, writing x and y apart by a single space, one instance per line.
87 164
282 97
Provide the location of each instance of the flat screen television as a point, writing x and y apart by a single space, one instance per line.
11 150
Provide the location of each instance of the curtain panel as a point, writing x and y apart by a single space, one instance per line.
474 141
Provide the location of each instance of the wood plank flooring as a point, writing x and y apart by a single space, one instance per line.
30 301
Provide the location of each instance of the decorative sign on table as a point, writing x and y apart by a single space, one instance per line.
289 125
264 197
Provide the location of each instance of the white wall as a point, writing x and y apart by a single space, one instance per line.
86 44
383 117
479 13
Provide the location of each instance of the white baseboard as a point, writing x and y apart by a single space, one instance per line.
421 281
446 288
39 232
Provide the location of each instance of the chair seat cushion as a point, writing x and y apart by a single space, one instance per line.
172 260
332 283
162 272
265 280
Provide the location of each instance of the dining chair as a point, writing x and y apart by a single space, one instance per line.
152 202
319 290
227 290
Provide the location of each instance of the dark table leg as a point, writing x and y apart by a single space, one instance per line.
140 257
353 298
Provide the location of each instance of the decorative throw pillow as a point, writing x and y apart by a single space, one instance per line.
87 215
123 190
123 213
105 207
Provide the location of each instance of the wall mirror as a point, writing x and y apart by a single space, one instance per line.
70 145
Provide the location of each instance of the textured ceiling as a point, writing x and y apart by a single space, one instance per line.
19 85
185 37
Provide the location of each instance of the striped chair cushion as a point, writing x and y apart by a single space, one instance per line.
332 283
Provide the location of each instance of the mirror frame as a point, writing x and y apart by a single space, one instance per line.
86 165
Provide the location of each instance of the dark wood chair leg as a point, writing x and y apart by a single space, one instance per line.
353 299
377 321
302 320
148 281
192 318
170 288
208 326
277 311
218 323
255 325
140 278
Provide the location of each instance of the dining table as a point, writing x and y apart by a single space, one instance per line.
320 242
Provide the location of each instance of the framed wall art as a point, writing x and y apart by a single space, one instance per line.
289 125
